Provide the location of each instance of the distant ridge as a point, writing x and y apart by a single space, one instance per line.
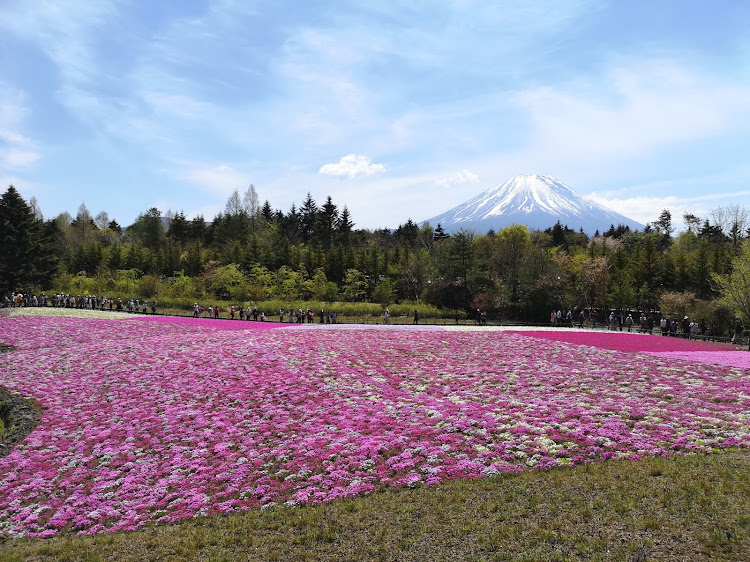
537 201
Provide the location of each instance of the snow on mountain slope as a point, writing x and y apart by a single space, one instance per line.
538 201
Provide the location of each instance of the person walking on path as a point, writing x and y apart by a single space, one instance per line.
738 329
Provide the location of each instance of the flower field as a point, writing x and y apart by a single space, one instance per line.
155 420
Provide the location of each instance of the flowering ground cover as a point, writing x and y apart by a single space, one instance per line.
158 421
665 347
624 341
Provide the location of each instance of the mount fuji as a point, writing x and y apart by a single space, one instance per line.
537 201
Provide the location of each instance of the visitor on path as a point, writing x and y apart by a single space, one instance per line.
593 319
685 326
416 316
387 316
738 329
629 322
581 319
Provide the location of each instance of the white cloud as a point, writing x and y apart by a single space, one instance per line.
178 105
15 158
462 177
644 209
16 150
653 105
221 179
352 166
12 137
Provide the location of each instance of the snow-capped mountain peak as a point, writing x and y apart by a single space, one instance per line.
538 201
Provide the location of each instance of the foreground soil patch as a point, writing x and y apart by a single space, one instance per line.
19 416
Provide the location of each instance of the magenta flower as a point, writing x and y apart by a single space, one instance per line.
162 420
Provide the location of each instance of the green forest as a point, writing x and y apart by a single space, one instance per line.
252 253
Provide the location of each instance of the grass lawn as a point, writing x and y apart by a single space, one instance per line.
678 508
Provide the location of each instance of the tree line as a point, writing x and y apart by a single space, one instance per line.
252 252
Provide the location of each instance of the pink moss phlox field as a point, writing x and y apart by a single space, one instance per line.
624 341
214 323
740 360
160 421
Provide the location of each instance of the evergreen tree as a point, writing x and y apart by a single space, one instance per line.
344 230
440 233
149 229
179 228
328 219
291 225
115 258
308 218
267 212
27 257
198 230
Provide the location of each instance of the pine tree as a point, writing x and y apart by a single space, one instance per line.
267 212
328 223
308 218
345 226
179 228
440 233
27 257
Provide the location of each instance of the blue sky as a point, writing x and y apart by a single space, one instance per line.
395 109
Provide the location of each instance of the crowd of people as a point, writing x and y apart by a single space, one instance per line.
299 316
646 323
617 320
83 302
13 299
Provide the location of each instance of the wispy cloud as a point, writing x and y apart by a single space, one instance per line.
221 179
15 158
16 150
646 209
633 110
219 95
462 177
352 166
